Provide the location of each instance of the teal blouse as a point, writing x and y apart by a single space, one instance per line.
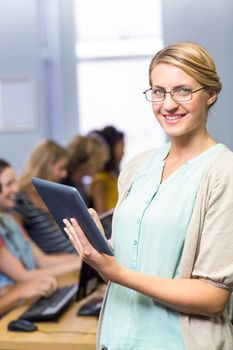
149 233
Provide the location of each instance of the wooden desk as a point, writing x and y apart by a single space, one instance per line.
69 333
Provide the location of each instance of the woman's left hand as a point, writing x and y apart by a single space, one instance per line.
105 264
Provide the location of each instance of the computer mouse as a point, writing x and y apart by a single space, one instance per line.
22 325
91 308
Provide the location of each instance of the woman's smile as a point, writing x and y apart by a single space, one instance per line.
173 118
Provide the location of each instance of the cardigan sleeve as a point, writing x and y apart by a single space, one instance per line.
214 262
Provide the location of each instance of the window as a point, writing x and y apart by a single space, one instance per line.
115 43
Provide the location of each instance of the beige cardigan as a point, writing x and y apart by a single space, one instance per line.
208 249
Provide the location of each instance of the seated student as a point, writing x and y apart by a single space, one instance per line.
13 295
86 156
103 189
48 160
21 259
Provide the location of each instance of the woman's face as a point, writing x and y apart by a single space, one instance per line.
179 119
59 170
9 188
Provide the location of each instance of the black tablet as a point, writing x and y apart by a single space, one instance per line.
65 202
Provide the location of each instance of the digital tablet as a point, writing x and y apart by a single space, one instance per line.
65 202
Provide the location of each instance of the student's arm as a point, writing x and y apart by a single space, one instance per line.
13 268
11 296
44 260
192 296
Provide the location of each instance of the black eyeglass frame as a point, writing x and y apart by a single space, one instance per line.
171 93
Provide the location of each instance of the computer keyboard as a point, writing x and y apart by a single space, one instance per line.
51 307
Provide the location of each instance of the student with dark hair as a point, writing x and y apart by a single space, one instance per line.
103 188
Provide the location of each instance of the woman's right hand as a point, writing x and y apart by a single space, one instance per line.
105 264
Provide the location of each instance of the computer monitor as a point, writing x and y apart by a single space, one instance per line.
90 278
106 221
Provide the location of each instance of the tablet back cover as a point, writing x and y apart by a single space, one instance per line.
65 202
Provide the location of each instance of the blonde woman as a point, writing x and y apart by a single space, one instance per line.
172 274
48 160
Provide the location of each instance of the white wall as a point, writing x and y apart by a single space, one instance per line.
19 57
37 40
209 23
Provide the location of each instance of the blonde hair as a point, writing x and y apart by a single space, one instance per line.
193 59
86 150
45 154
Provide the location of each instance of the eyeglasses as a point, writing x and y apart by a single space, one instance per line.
179 94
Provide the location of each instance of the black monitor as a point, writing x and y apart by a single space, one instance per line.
90 278
106 221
